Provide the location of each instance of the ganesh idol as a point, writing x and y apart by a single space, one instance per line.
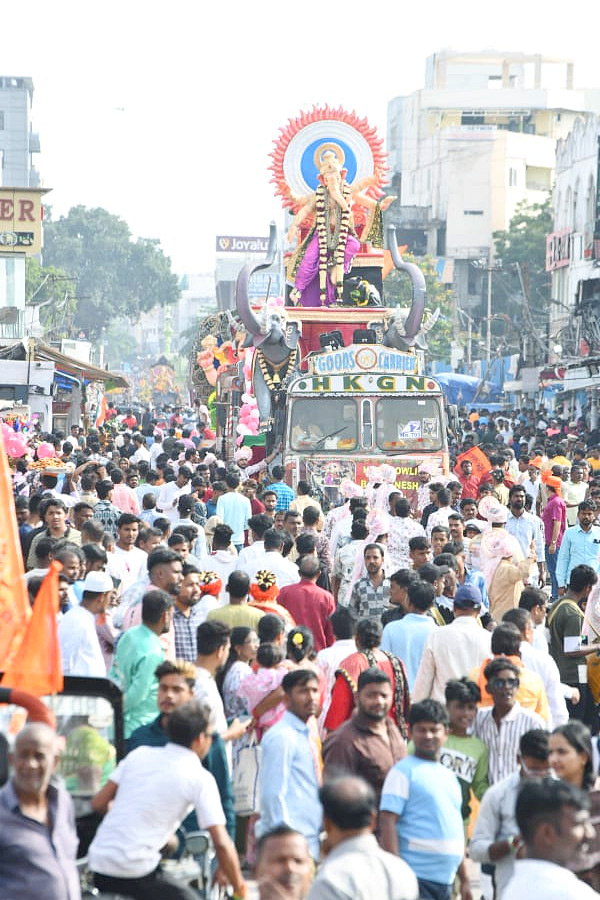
316 269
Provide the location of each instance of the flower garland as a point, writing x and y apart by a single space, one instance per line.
273 373
332 245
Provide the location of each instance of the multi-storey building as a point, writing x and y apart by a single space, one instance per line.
18 141
18 144
573 258
479 138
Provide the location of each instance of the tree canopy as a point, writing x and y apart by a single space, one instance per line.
521 286
524 243
397 289
114 275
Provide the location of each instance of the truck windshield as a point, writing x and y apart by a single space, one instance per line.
408 423
323 423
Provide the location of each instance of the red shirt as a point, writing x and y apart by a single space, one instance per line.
310 605
470 487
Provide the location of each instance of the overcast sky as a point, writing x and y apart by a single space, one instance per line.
164 112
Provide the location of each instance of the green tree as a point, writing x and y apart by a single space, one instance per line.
115 275
523 246
521 288
397 289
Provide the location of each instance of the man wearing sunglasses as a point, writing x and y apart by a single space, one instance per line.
501 726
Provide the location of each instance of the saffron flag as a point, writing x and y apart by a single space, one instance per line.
101 412
477 458
15 610
37 665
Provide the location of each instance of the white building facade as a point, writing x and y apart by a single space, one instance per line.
18 142
573 258
479 138
18 146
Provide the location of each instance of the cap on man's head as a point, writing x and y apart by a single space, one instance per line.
97 583
474 525
467 596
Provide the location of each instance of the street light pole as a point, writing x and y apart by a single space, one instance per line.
488 337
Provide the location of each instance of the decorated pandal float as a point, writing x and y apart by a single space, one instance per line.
328 370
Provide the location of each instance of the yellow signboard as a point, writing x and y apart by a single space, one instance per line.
21 220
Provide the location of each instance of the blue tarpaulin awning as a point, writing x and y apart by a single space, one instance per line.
462 389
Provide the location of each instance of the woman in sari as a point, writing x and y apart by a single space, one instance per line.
368 636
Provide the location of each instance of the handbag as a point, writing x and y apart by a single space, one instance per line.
246 798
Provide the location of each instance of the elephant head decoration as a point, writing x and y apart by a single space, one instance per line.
276 356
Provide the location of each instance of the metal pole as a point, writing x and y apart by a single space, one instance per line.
469 340
488 337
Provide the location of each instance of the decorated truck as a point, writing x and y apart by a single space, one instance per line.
358 407
337 377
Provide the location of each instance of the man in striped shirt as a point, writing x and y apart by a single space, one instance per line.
501 726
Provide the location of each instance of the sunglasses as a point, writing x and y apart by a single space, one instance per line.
499 683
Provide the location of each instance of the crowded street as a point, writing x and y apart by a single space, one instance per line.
435 651
299 521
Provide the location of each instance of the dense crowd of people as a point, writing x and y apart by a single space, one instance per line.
419 673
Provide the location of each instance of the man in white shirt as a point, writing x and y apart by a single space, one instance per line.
573 493
533 481
168 498
444 509
271 560
126 850
453 650
127 564
156 449
554 821
235 510
220 560
141 451
257 525
79 644
213 642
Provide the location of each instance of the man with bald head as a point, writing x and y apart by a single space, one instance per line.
38 841
355 865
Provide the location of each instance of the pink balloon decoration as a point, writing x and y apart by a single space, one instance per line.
16 445
45 451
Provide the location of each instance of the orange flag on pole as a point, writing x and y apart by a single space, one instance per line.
477 458
101 412
37 665
15 610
